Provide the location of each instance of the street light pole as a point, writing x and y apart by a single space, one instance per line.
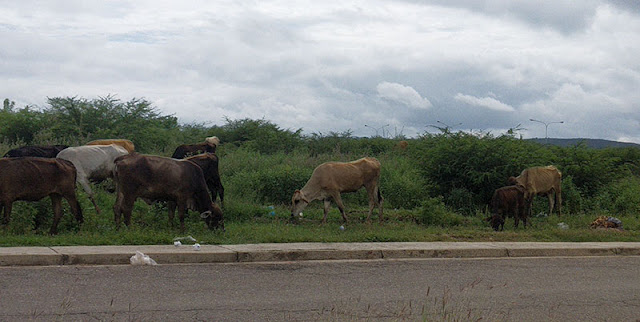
376 129
546 128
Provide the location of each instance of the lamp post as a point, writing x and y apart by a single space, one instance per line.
376 129
546 128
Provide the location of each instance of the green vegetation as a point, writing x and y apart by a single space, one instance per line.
437 189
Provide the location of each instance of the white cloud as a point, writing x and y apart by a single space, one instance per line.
336 65
488 102
402 94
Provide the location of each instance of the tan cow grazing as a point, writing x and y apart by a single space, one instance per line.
329 179
540 181
121 142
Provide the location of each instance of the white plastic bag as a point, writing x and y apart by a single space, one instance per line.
141 259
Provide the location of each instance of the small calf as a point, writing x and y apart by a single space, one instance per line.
507 202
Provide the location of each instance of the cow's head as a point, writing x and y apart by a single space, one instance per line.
213 217
496 221
298 203
512 181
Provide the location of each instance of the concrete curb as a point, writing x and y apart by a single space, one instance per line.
165 254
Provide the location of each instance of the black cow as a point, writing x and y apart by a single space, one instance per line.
208 162
507 202
42 151
155 178
33 178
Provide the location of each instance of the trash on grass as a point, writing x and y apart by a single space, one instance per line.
189 238
141 259
607 222
177 243
563 226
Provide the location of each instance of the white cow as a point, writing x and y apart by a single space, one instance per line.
92 162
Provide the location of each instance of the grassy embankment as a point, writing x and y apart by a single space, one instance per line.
254 181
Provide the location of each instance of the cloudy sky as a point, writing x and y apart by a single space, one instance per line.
398 67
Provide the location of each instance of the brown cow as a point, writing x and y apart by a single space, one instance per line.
155 178
33 178
208 146
329 179
121 142
507 202
401 146
540 181
208 162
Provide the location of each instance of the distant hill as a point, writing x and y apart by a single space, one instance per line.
592 143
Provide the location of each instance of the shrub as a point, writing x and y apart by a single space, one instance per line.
433 212
401 184
276 185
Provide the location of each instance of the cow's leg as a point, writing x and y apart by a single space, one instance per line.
84 182
327 206
117 207
5 218
528 199
56 201
75 207
551 195
7 211
182 209
516 218
558 199
70 196
338 200
127 209
375 199
171 206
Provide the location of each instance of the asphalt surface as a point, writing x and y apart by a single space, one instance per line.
594 288
188 254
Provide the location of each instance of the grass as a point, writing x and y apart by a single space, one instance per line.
150 226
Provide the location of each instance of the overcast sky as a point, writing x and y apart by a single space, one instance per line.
339 65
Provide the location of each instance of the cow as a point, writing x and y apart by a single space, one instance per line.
330 179
121 142
42 151
506 202
93 163
540 181
155 178
33 178
208 162
401 146
208 146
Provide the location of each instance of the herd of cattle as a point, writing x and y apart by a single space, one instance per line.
190 180
33 172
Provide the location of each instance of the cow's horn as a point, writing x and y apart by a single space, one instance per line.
205 214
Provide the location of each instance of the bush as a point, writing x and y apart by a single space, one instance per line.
433 212
401 184
276 185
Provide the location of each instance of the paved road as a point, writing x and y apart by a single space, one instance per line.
534 289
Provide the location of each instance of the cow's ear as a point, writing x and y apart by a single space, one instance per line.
205 214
